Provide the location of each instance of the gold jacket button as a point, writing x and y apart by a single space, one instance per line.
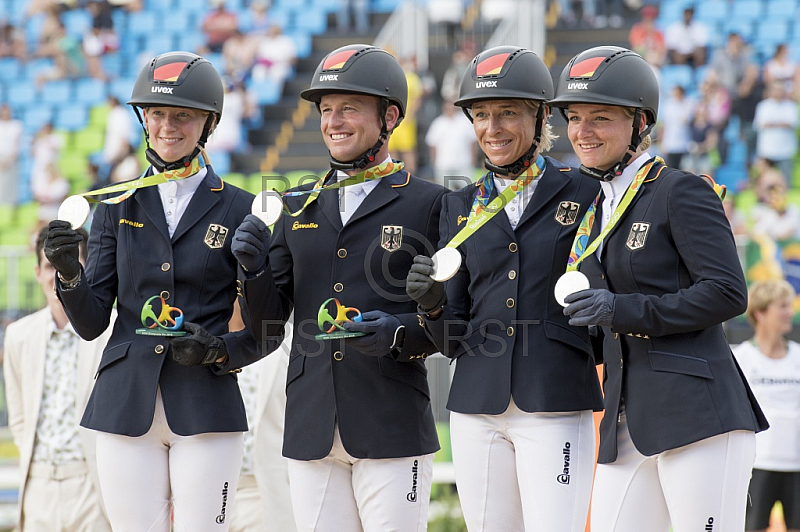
512 247
165 267
510 302
165 295
338 355
616 335
342 253
512 274
510 331
338 287
159 349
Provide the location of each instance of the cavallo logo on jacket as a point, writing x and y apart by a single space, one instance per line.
391 237
567 212
215 236
638 235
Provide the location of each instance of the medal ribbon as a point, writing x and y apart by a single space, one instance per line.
129 187
482 213
375 172
579 248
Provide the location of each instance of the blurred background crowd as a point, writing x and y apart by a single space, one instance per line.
729 73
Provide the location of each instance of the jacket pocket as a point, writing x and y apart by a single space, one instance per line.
412 373
561 334
112 355
684 364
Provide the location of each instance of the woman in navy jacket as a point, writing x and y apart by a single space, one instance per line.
677 440
168 412
525 382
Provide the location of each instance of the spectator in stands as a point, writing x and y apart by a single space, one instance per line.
608 13
10 146
239 106
12 42
46 150
447 14
771 363
48 41
50 188
451 82
276 55
403 141
94 47
736 219
773 215
104 22
48 372
704 138
686 40
737 72
775 123
126 166
646 39
359 10
568 17
257 21
70 61
119 132
781 68
239 53
676 119
218 25
453 147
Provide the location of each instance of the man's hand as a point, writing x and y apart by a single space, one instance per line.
250 244
421 287
62 249
198 347
384 333
594 306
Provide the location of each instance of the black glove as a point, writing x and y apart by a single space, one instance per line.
421 287
384 332
250 243
62 249
198 347
594 306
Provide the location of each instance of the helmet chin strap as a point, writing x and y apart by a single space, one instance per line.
617 169
184 162
524 162
366 159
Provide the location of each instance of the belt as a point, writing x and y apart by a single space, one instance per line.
75 468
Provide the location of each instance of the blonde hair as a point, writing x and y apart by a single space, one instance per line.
630 112
763 294
548 137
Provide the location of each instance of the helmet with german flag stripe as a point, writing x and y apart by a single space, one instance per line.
505 73
359 69
179 79
609 75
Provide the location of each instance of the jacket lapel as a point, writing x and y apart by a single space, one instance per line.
501 218
150 202
549 185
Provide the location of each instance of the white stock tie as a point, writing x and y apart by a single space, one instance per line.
350 201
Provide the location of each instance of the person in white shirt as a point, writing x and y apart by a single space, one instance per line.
452 146
772 366
687 40
48 373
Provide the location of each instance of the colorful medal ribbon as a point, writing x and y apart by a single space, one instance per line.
375 172
579 248
129 187
482 212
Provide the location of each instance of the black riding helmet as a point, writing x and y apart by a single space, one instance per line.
361 69
178 79
610 75
507 73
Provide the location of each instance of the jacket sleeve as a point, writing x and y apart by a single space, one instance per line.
89 304
716 289
12 373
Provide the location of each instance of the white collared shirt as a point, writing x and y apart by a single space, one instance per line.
351 197
517 205
57 439
614 190
176 195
